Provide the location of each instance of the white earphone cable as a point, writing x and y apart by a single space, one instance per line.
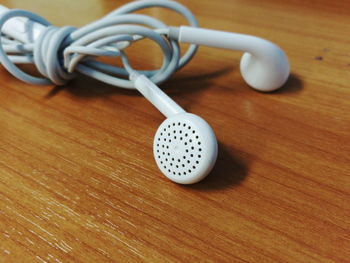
60 52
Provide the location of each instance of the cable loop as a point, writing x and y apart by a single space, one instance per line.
46 54
58 53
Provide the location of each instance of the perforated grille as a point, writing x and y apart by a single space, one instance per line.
178 148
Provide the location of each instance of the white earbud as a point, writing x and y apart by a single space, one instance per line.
264 66
185 146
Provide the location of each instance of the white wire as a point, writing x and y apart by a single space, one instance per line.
60 52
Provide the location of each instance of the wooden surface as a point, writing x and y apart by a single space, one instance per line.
78 182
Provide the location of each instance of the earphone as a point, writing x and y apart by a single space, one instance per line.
264 66
185 147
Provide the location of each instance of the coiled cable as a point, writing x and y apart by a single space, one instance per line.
58 53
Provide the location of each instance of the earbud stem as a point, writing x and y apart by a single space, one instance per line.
157 97
220 39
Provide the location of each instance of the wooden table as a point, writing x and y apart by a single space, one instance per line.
78 182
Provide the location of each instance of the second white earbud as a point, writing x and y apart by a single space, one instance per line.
264 66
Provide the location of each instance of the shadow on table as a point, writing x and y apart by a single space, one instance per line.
293 85
86 87
229 171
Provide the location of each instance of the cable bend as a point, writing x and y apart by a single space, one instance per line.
58 53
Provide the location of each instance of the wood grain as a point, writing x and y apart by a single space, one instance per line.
78 182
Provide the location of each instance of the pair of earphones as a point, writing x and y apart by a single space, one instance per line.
185 147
